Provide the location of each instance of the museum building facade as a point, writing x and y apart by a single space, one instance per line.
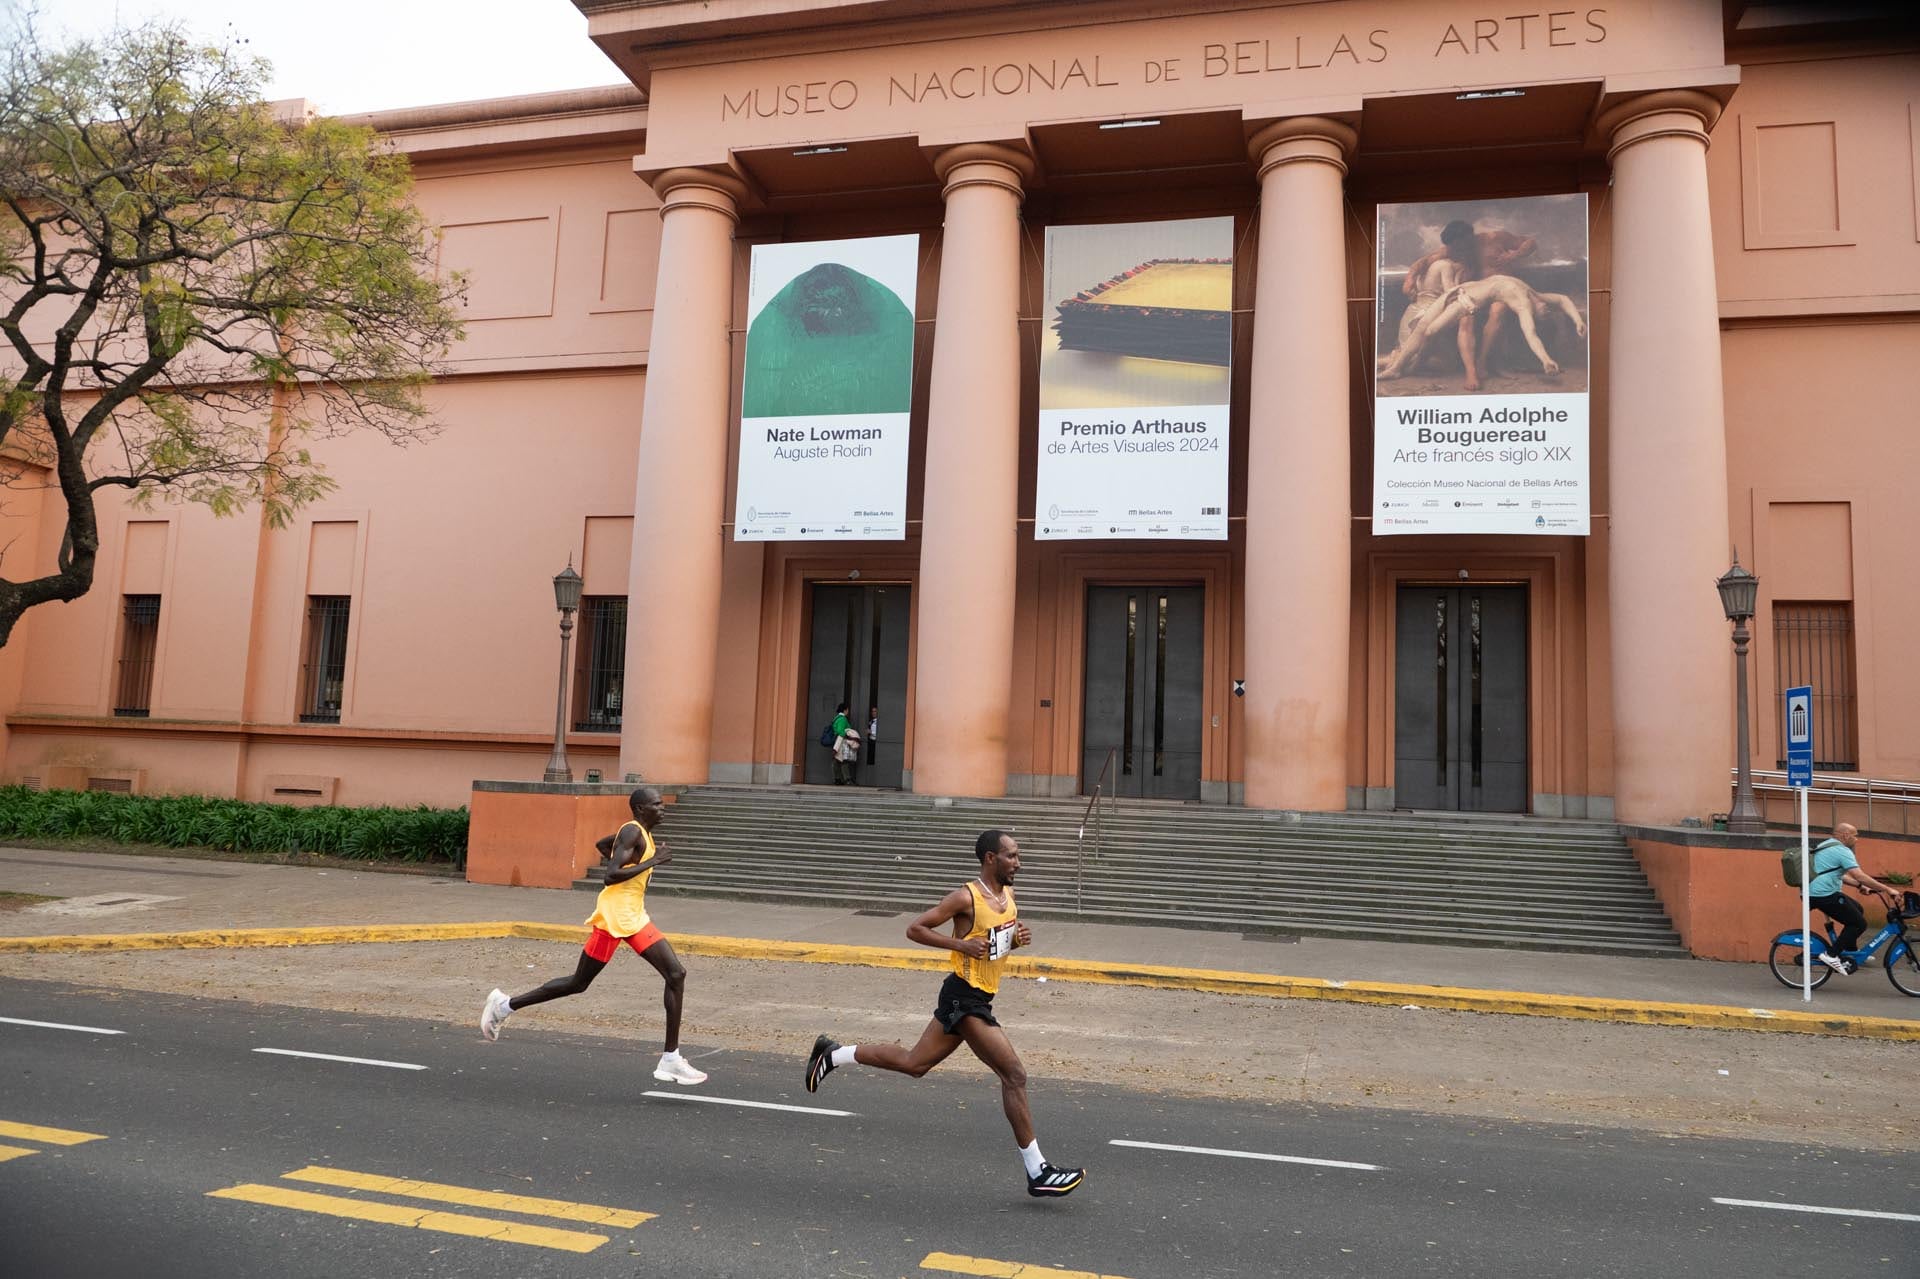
1723 263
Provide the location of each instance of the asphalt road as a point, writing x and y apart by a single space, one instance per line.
180 1147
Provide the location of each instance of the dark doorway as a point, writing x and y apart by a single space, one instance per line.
1145 673
1460 699
859 656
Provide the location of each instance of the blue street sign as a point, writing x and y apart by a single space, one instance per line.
1800 736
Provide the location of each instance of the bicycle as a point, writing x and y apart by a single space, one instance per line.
1789 953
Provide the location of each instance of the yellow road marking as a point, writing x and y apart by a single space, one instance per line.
248 937
451 1223
14 1152
51 1136
1001 1269
592 1214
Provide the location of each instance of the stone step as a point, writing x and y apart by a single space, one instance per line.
1465 879
1617 942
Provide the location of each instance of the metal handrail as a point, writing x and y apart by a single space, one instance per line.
1838 787
1091 814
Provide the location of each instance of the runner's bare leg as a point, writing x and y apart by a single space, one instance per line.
991 1045
935 1046
674 973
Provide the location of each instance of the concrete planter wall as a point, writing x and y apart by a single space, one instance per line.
540 834
1724 892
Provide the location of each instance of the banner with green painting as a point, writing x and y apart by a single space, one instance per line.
827 391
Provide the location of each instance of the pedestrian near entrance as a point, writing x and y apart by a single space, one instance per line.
620 915
846 746
1833 867
986 929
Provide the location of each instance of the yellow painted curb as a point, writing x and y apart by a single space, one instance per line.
1265 985
238 938
1213 981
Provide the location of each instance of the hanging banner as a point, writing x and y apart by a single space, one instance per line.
1480 386
1134 368
828 386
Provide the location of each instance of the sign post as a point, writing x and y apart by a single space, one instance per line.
1800 778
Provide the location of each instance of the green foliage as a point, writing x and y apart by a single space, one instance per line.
196 821
196 285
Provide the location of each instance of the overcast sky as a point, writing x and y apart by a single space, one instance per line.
367 55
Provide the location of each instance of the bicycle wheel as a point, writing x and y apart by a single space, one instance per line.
1903 967
1785 961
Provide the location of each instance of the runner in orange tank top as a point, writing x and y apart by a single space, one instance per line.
620 915
986 929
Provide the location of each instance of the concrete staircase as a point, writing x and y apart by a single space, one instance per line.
1466 880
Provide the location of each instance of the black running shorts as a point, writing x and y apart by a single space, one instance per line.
959 1001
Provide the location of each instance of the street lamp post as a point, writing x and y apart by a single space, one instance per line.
1738 590
566 597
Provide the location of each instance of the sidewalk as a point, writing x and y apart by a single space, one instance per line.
146 895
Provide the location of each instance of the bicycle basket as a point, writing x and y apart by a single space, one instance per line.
1910 904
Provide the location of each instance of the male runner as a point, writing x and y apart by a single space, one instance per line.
986 928
620 915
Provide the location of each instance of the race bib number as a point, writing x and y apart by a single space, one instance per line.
1000 940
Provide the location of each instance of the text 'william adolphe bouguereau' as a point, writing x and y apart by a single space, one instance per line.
1262 55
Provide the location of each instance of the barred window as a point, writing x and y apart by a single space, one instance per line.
599 684
323 669
139 636
1813 645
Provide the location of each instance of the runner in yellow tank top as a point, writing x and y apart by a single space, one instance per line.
620 915
986 929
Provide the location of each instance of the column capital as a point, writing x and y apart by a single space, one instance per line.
713 189
1667 113
1302 137
984 163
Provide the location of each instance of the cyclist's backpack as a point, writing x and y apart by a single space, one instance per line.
1790 863
826 735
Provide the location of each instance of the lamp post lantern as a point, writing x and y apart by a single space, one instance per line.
566 597
1738 589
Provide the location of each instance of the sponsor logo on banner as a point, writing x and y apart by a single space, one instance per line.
827 389
1134 372
1481 380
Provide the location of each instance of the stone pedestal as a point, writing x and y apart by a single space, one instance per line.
541 834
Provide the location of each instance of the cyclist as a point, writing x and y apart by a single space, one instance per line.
1833 867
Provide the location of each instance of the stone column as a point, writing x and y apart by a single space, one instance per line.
964 642
673 586
1299 516
1667 473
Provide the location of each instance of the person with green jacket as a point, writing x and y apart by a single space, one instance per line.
845 747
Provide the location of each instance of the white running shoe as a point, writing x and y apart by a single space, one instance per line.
675 1069
494 1014
1834 962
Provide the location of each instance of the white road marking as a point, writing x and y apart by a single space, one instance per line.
60 1025
1814 1208
99 904
736 1101
1250 1154
351 1061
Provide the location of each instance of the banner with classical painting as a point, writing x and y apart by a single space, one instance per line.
827 390
1135 353
1480 385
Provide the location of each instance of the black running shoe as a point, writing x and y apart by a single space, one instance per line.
1051 1181
820 1062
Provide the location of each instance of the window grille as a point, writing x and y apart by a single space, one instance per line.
323 671
1813 645
599 685
139 636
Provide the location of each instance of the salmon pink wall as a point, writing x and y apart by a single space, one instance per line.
1730 903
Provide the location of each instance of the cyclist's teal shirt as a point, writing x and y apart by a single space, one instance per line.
1828 862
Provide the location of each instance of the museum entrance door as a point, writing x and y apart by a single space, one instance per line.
1460 698
1145 672
858 656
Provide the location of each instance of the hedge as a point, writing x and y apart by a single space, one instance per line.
196 821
